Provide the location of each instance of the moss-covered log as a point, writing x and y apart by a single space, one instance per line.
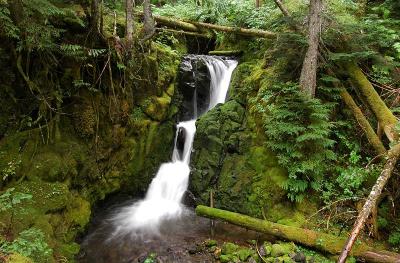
236 30
378 106
363 122
204 27
321 241
226 52
175 23
186 33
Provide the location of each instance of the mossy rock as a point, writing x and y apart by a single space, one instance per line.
18 258
229 248
52 167
282 249
157 107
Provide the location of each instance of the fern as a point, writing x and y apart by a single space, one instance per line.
298 131
7 26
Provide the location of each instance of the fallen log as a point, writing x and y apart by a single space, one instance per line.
226 52
393 156
385 117
204 27
187 33
175 23
320 241
236 30
363 122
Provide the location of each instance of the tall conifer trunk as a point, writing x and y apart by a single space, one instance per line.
130 27
149 27
308 78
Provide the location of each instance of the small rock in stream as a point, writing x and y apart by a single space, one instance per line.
194 249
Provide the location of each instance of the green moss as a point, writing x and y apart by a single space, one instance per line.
229 248
52 167
69 250
17 258
281 249
157 107
78 212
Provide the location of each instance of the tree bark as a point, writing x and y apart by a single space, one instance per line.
321 241
149 26
226 52
282 8
130 26
308 77
95 16
258 3
384 115
16 8
239 30
363 122
187 33
370 204
205 27
286 13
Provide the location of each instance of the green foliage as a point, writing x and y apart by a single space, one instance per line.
10 169
232 12
30 243
38 26
298 130
7 27
394 238
9 199
81 52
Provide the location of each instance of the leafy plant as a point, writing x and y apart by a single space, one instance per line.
9 200
30 243
394 238
298 130
10 169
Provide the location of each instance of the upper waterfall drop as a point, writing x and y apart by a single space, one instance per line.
164 196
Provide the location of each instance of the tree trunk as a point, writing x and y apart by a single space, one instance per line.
187 33
206 27
286 13
95 16
282 8
235 30
16 8
363 122
258 3
371 202
228 53
130 26
174 23
308 78
385 117
321 241
149 26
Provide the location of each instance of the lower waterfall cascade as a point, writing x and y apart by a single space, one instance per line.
163 198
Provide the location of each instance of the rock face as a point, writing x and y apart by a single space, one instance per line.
103 149
230 158
194 85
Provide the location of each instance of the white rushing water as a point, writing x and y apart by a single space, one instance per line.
164 196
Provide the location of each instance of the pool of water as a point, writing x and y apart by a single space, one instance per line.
175 241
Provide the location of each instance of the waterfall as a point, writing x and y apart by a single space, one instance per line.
164 196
